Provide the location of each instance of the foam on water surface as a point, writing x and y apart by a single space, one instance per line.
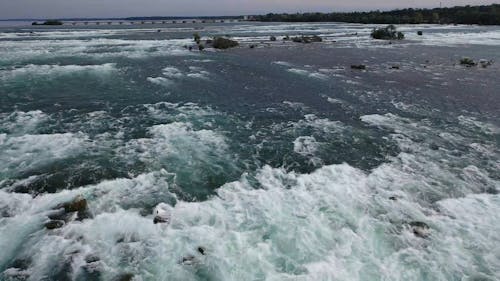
297 170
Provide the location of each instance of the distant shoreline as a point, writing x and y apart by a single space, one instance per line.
482 15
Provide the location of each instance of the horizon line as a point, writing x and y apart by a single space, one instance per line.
233 16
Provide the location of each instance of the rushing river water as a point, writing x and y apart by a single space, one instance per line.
273 163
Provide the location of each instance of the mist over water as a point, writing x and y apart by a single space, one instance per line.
273 163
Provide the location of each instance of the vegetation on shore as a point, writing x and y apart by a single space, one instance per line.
484 15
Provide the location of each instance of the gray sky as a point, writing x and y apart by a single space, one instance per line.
10 9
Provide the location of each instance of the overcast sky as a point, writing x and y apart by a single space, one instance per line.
10 9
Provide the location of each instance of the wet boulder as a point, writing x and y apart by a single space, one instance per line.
420 229
468 62
224 43
162 214
202 250
54 224
387 33
78 204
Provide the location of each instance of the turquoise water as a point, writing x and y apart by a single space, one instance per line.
280 162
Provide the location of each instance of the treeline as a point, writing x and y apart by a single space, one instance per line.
484 15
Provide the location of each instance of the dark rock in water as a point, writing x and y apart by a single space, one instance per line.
468 62
358 66
395 67
393 198
124 277
54 224
224 43
202 250
252 46
22 264
159 220
420 229
60 215
433 146
188 260
420 33
92 258
162 214
78 204
485 63
387 33
272 38
127 239
307 39
492 191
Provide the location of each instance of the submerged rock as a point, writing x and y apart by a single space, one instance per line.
420 229
124 277
162 214
18 270
433 146
188 260
307 39
54 224
60 215
92 258
358 66
485 63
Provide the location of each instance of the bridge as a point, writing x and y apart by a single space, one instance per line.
150 22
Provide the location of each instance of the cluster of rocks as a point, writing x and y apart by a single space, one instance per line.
387 33
216 43
418 228
63 213
224 42
468 62
307 39
162 214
